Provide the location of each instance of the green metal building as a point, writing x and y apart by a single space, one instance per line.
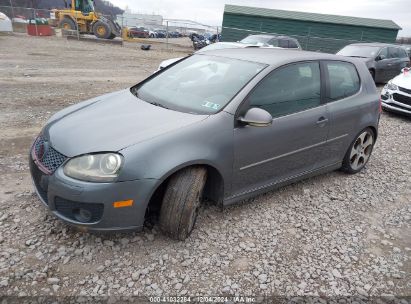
315 32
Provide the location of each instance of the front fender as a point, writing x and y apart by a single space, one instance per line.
209 142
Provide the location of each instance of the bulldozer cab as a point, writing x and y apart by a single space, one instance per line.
85 7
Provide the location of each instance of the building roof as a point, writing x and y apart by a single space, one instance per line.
313 17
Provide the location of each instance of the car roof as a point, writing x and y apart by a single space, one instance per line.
376 44
274 56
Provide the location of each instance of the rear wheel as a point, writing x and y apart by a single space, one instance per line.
359 152
68 24
181 202
101 30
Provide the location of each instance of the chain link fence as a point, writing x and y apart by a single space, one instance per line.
308 42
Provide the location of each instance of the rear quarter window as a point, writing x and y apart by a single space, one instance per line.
293 44
343 80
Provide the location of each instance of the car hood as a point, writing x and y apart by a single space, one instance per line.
110 123
403 80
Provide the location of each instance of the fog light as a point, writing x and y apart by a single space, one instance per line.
82 215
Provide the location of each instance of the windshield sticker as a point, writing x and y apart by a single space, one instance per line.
211 105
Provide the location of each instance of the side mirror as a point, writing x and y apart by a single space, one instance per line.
380 57
256 117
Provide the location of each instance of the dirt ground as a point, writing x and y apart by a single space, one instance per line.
320 237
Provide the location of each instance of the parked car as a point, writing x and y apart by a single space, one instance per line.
161 34
284 42
407 48
224 126
210 47
396 94
138 32
384 61
152 34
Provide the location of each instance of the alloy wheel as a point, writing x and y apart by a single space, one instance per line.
361 150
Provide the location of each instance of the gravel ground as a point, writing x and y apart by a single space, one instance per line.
332 235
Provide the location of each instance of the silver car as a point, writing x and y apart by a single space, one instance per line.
226 125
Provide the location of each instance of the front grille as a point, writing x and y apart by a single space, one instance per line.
405 90
71 210
50 158
40 180
402 98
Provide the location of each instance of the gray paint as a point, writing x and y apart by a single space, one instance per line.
156 142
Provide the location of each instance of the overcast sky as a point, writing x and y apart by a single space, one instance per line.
211 11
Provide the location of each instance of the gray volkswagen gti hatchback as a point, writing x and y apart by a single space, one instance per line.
223 125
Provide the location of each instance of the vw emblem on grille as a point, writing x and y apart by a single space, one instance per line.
44 147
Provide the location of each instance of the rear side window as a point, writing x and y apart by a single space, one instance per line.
403 53
343 80
289 89
393 52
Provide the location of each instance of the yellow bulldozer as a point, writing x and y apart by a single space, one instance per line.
80 15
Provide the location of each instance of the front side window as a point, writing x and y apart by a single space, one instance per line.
200 84
289 89
283 43
343 80
274 42
383 53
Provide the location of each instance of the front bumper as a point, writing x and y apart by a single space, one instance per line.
396 101
69 199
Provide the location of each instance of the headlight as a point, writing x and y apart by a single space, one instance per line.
102 167
391 86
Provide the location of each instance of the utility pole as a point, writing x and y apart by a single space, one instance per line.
12 9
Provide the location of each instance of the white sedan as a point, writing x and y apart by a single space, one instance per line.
396 94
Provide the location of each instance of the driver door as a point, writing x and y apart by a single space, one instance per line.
295 141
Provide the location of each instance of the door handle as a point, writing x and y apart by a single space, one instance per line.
389 64
322 121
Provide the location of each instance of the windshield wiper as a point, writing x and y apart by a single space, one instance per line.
159 105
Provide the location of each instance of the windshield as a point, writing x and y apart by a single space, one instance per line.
254 39
359 51
200 84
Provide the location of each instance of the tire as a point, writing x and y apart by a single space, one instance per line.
359 152
181 202
101 30
68 24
